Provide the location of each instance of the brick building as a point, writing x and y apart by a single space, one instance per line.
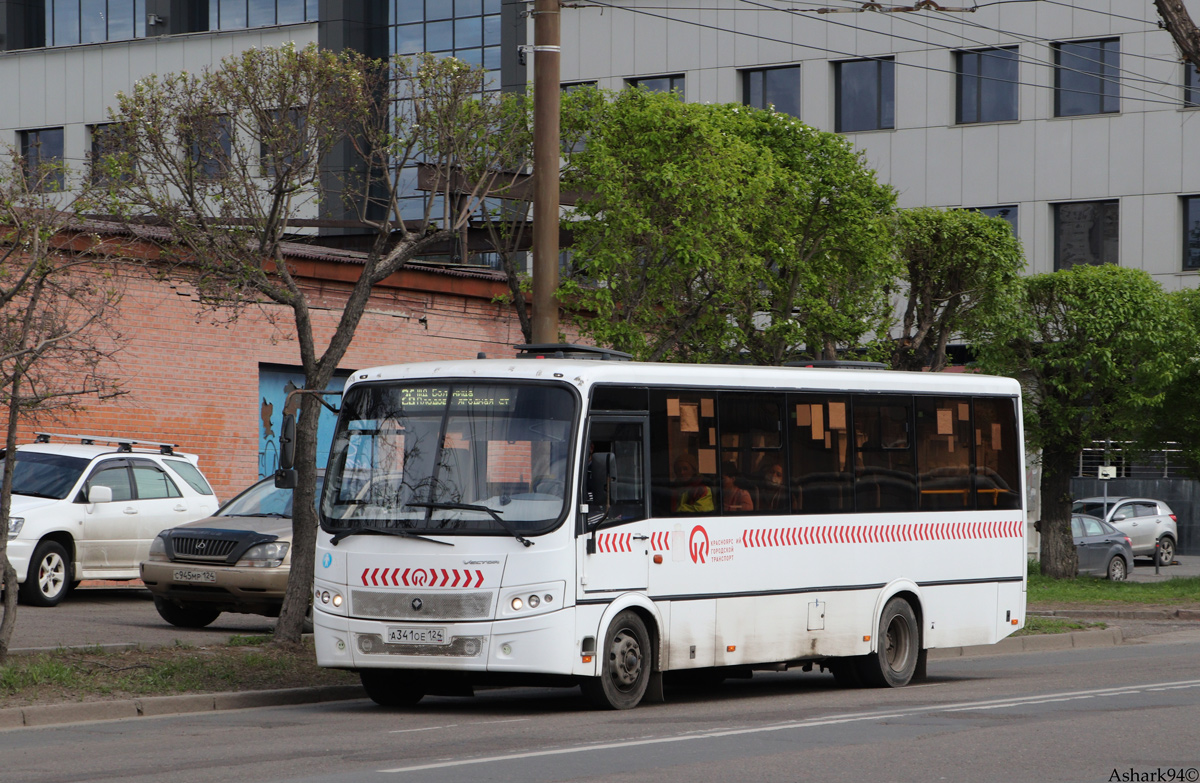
216 385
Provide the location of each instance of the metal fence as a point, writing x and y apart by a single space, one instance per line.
1162 463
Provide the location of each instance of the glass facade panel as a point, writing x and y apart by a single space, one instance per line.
1191 232
468 33
773 87
409 11
491 58
468 7
1086 232
62 22
93 21
410 39
439 36
987 85
290 11
865 95
491 30
231 14
439 9
1191 85
1086 79
261 13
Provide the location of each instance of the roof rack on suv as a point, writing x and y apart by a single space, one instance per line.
122 444
569 351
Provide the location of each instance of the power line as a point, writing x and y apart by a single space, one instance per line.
826 50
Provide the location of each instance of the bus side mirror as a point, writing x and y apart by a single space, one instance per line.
285 478
603 469
287 444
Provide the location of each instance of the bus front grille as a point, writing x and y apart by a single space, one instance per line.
424 606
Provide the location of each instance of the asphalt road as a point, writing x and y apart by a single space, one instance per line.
1075 715
118 615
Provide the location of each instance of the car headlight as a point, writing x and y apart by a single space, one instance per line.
158 548
268 555
14 526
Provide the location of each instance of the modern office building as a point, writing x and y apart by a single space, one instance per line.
1077 121
1074 119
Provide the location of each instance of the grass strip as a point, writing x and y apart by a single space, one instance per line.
1036 625
1179 591
245 664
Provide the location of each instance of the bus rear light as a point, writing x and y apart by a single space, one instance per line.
586 658
1015 621
731 648
867 638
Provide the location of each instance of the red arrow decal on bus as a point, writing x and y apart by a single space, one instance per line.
364 576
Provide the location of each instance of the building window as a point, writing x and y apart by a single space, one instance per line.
1008 213
88 21
1086 77
1085 232
212 145
1191 85
240 14
987 85
572 86
1191 232
777 88
865 95
661 84
42 158
106 143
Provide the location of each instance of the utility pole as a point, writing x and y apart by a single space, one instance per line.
1179 24
546 55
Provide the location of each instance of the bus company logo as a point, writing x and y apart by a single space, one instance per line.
419 578
698 544
327 560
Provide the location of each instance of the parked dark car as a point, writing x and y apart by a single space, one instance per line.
237 560
1147 522
1103 550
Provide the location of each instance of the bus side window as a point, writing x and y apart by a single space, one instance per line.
683 452
821 477
753 461
884 470
944 453
997 480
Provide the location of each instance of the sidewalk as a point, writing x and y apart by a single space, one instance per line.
1143 570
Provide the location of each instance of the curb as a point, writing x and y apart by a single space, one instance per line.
1123 614
154 706
1078 640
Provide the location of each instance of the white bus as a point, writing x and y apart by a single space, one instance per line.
567 521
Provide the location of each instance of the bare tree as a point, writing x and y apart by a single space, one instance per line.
229 159
57 320
1179 24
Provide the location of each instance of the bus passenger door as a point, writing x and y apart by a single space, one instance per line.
615 546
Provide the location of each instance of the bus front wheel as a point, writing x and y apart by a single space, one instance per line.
895 662
627 659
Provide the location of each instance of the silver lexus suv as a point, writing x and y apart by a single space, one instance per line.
1144 520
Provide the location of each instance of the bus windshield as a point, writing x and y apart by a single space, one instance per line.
403 451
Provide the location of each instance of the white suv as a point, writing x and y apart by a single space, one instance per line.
86 511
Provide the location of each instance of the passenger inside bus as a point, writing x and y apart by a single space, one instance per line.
734 497
773 491
693 496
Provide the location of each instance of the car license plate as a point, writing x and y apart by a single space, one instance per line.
190 575
416 635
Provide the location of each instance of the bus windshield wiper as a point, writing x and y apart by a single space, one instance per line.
383 531
474 507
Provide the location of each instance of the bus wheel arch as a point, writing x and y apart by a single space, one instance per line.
628 656
898 655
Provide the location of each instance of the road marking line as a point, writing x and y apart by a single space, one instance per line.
427 728
805 724
487 722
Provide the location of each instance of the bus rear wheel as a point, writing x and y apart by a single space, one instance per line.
895 662
391 688
626 662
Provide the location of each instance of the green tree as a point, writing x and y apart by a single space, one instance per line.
1094 347
663 252
231 158
712 233
825 240
960 273
1177 420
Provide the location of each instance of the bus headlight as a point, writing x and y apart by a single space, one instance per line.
532 599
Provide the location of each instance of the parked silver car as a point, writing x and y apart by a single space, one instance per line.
1146 521
1103 550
